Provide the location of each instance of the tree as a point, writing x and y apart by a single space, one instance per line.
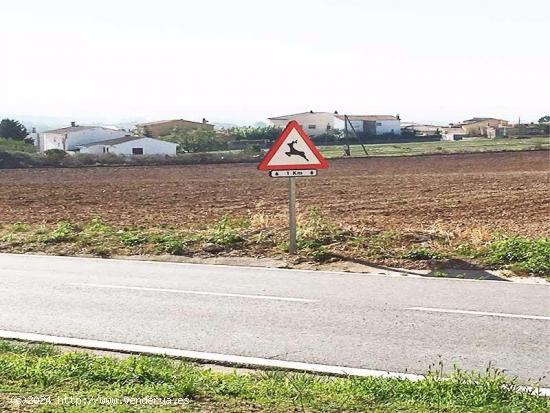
545 119
12 129
197 140
250 133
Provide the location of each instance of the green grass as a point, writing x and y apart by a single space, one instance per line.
441 147
319 239
14 145
41 370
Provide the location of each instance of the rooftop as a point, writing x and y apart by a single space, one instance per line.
475 120
160 122
115 141
367 117
285 117
73 129
350 117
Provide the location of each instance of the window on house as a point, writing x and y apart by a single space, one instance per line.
329 127
378 123
137 151
105 149
312 126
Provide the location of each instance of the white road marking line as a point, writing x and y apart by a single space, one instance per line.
170 290
200 356
506 315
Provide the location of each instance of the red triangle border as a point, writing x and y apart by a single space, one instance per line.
263 166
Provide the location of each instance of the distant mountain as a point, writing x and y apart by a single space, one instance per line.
45 123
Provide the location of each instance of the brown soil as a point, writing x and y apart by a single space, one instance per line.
495 191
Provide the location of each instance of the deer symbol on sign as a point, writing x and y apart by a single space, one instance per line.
294 151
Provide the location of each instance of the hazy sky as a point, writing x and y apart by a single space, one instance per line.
245 60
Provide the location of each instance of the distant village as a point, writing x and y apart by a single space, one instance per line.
149 138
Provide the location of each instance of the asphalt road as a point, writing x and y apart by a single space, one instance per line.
399 324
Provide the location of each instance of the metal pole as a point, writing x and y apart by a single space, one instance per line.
292 215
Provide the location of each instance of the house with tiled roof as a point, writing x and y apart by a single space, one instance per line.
319 123
165 127
479 126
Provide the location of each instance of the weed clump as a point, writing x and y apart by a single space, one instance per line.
422 254
66 231
316 234
522 255
170 243
226 232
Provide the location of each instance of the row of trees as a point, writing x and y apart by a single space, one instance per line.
202 140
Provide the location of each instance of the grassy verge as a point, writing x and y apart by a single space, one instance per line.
318 240
39 378
442 147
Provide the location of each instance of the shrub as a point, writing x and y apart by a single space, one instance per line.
335 135
170 243
316 231
55 155
252 150
20 227
421 254
16 160
532 255
250 133
65 231
16 145
97 226
81 159
226 231
198 140
132 238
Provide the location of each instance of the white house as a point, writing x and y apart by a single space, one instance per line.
453 134
68 139
314 123
130 146
370 124
318 123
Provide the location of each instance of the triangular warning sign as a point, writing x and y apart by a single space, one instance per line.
293 150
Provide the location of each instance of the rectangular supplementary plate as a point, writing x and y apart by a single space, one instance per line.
291 173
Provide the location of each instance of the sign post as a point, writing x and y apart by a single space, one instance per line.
293 155
292 247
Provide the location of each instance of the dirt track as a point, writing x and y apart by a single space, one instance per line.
496 191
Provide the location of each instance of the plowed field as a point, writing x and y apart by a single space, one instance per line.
497 191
